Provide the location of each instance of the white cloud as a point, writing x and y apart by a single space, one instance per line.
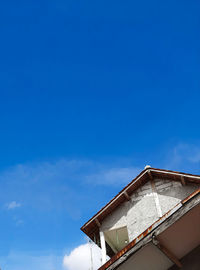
113 176
80 257
13 205
184 157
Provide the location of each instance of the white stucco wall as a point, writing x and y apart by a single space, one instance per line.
140 212
171 193
137 214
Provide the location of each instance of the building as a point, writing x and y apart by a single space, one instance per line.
152 224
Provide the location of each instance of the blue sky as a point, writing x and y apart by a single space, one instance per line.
91 92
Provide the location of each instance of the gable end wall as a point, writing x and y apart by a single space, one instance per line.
141 211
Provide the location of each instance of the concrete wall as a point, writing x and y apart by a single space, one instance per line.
141 211
137 214
171 193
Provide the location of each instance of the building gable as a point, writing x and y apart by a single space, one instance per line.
146 205
150 195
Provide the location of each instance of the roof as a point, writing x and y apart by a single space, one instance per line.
91 227
180 211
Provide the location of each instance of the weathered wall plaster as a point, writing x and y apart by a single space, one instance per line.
171 193
140 212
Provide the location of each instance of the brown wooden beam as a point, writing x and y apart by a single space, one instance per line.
183 182
127 196
98 223
150 175
166 251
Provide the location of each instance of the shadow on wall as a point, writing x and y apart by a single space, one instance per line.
191 261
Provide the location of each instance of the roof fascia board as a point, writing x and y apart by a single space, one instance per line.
176 173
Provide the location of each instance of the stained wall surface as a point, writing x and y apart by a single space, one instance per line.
171 193
141 211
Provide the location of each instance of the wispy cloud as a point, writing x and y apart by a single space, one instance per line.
113 176
60 184
12 205
43 187
184 157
